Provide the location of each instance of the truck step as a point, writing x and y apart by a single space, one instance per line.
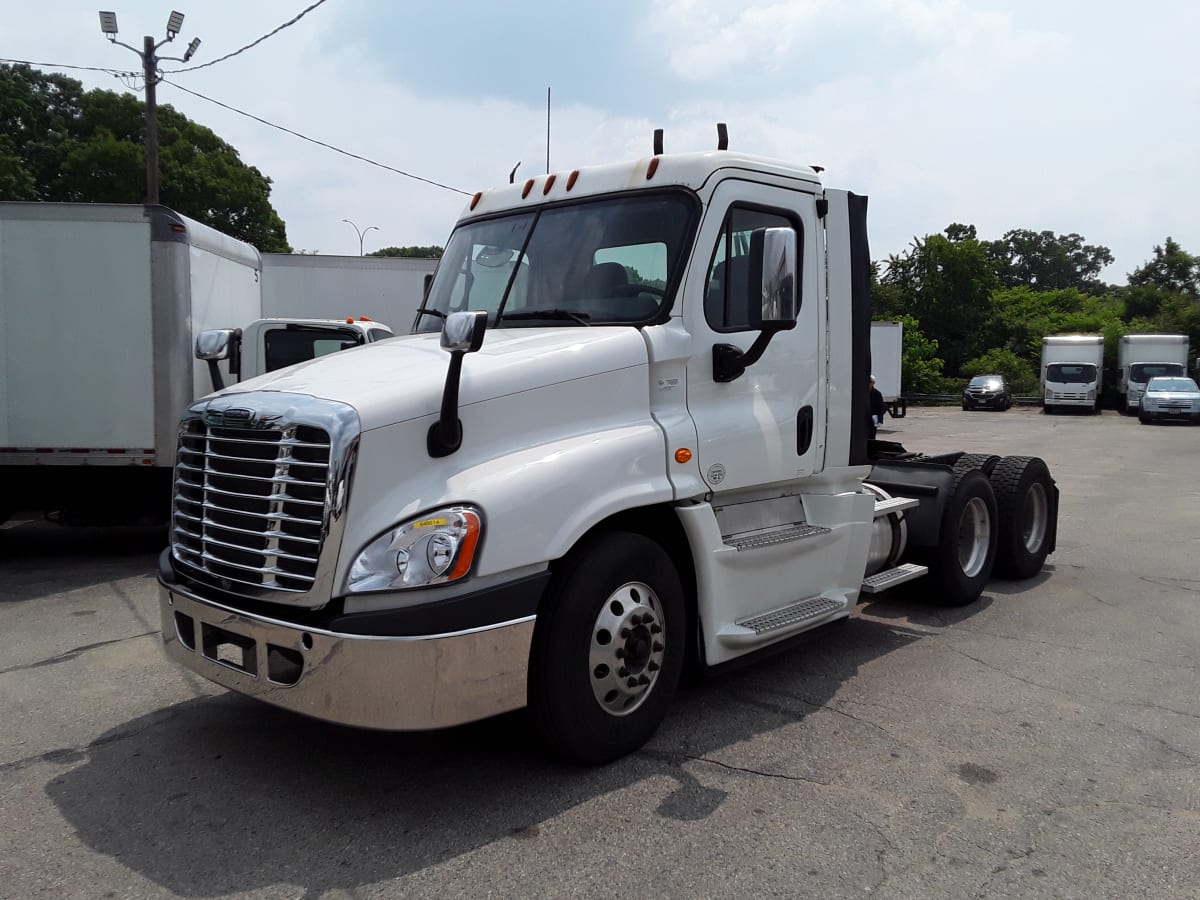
894 504
889 578
753 630
797 532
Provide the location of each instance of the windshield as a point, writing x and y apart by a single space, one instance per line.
1071 373
1172 384
591 263
991 382
1143 372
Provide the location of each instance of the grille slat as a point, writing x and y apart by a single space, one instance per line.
250 503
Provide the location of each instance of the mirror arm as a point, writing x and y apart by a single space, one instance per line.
214 373
730 362
445 435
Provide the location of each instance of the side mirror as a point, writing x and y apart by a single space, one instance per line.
462 333
773 278
773 281
212 345
222 343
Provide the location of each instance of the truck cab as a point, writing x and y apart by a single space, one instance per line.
629 433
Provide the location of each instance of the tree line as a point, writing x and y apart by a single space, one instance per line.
973 306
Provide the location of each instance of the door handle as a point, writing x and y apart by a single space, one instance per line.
804 430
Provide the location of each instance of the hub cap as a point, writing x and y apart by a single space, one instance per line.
627 647
1034 518
974 534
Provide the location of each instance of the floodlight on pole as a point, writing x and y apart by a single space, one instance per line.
108 24
174 24
191 49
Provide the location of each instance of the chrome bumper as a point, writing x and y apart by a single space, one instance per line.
396 683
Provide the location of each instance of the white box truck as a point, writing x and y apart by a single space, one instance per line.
1072 372
887 361
1141 357
101 307
644 446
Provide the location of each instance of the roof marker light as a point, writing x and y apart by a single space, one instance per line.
572 178
549 184
475 200
528 188
652 169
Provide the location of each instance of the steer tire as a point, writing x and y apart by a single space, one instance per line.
968 528
984 462
1026 507
587 633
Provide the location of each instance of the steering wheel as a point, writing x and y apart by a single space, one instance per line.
632 290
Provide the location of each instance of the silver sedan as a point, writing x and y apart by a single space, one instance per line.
1170 397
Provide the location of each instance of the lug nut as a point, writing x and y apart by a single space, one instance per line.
625 632
635 620
656 628
652 666
644 679
658 647
633 682
622 672
619 653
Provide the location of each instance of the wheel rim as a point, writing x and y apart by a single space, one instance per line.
974 535
1034 518
627 647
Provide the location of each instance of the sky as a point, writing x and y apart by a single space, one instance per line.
1061 115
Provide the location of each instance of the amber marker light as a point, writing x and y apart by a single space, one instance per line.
475 200
549 184
466 550
683 455
528 188
652 169
572 178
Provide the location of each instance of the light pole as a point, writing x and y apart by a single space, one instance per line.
361 234
108 25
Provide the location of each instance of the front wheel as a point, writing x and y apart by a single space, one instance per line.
608 648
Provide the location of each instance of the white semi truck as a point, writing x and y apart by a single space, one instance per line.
887 363
630 435
101 307
1072 372
1141 357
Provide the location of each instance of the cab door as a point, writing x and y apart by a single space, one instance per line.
767 425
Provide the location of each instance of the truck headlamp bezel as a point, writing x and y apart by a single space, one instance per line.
437 547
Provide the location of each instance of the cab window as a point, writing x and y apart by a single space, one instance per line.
728 293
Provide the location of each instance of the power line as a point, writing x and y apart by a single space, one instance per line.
117 73
291 21
305 137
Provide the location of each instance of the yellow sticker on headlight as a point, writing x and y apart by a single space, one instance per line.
429 523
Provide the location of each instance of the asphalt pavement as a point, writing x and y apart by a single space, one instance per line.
1043 742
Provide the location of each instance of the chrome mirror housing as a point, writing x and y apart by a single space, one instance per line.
214 344
463 331
775 265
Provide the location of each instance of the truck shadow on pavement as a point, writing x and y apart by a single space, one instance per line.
39 558
223 794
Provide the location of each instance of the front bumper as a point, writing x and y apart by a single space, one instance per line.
985 401
402 683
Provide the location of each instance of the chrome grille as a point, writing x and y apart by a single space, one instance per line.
250 503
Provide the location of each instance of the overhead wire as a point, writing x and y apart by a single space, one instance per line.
311 140
292 21
116 73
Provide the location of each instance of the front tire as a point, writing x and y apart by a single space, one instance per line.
1025 509
608 648
961 564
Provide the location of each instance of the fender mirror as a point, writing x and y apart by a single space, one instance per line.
213 346
462 333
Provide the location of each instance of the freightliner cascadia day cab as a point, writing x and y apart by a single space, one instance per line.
1072 372
1141 357
629 434
102 307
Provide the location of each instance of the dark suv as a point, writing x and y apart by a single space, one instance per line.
986 392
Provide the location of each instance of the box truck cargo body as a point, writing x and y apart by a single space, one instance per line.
1141 357
887 355
101 306
1072 371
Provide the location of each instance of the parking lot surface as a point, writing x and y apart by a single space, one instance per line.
1043 742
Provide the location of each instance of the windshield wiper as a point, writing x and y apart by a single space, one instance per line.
430 312
581 318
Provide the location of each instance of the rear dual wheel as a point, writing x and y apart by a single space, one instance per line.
1025 507
961 563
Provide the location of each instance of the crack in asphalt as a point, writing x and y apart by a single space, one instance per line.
68 655
759 772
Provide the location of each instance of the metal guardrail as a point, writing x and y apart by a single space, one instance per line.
920 399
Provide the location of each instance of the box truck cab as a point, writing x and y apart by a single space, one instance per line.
629 435
1072 371
1141 357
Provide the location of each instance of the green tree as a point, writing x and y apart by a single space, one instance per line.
430 252
1172 269
59 143
1020 373
1047 261
921 368
946 285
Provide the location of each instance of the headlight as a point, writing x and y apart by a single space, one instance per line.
437 548
1091 395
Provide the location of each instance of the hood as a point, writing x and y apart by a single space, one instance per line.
402 378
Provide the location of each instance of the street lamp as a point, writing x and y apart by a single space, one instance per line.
361 234
150 60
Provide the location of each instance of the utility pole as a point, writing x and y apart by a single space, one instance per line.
361 234
150 60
